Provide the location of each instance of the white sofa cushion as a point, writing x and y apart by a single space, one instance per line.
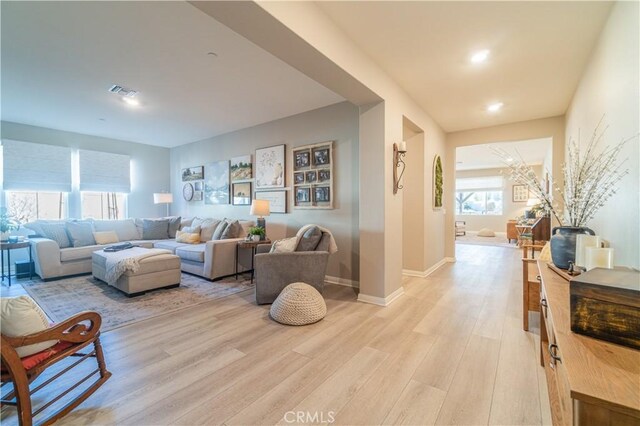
194 253
78 253
22 316
169 245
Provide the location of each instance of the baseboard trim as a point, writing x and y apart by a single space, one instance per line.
381 301
341 281
424 274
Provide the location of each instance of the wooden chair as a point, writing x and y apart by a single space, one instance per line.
530 287
460 228
72 336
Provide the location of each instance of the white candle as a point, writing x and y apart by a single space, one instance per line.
582 242
402 146
596 257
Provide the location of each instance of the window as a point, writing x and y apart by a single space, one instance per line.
479 195
103 205
28 206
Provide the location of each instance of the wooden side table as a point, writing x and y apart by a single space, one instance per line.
253 245
7 246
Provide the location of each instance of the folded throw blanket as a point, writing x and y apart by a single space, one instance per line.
119 262
333 247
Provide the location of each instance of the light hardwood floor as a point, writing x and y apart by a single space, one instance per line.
451 351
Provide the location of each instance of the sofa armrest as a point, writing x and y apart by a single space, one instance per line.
220 257
46 257
263 248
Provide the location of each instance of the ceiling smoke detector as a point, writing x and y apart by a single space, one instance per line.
123 91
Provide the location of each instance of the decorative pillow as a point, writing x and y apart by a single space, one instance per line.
106 237
285 245
191 230
233 230
35 227
207 227
187 237
21 316
81 233
174 225
310 239
185 222
57 233
157 229
217 234
125 228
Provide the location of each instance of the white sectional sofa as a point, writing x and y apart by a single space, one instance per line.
210 259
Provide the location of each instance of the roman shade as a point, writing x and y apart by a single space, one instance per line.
104 172
36 167
479 183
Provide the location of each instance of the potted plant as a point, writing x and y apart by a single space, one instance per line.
256 233
590 179
7 224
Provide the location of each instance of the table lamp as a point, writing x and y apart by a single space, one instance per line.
163 198
260 208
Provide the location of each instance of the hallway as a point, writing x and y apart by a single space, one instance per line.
451 351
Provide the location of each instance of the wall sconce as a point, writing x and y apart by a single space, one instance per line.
399 152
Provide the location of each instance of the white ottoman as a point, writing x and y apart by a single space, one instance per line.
160 271
298 304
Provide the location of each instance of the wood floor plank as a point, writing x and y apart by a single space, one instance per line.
468 400
419 404
372 403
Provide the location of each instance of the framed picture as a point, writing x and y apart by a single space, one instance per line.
277 200
321 156
197 196
520 194
301 159
198 186
241 194
437 183
324 175
321 194
193 173
303 196
241 168
311 177
216 186
270 167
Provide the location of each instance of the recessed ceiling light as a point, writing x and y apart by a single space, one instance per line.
509 159
130 101
495 107
480 56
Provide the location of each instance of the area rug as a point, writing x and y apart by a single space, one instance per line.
472 238
63 298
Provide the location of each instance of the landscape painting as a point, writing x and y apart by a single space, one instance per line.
192 173
241 168
216 186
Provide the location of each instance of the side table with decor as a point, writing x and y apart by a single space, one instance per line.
8 246
249 244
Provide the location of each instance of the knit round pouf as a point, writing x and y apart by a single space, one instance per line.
298 304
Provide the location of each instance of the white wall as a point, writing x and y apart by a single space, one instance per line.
510 209
149 164
337 122
609 86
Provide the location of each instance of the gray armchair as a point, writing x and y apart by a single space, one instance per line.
275 271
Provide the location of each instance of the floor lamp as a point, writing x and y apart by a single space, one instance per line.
163 198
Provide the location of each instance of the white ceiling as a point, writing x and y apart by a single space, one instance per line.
59 59
538 52
474 157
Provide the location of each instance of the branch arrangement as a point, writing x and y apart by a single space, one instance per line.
590 179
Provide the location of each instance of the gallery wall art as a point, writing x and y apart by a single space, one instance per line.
313 176
438 187
241 168
270 167
277 200
192 173
216 185
241 194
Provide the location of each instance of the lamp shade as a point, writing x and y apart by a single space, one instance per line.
533 202
162 198
260 208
